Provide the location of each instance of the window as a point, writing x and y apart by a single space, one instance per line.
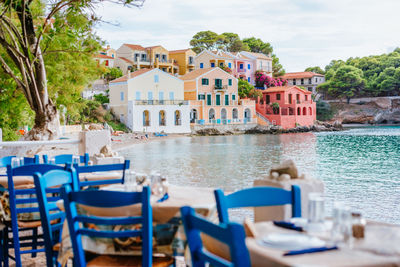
241 66
230 65
137 57
150 97
302 81
230 82
226 100
209 100
233 97
221 64
161 96
171 95
310 89
177 117
201 65
161 118
201 97
158 56
190 60
248 79
294 81
156 78
164 58
218 83
218 100
306 97
137 95
290 98
146 118
268 99
309 81
122 96
212 64
248 66
106 62
143 57
316 80
204 81
278 96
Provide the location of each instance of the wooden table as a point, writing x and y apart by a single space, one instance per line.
381 247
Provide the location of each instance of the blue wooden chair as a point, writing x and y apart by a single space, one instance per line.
108 199
17 198
231 234
7 161
103 168
52 218
67 158
258 197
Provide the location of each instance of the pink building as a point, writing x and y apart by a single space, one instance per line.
287 106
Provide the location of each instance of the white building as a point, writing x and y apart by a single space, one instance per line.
150 100
309 80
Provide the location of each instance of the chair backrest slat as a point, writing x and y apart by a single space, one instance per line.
258 197
107 199
67 158
104 168
232 234
43 185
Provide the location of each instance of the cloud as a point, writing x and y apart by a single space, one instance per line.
303 32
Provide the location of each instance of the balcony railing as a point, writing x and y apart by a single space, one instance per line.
266 69
241 70
220 87
161 102
141 60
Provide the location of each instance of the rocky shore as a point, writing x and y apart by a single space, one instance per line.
259 129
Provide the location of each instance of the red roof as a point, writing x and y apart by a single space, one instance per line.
130 75
103 56
299 75
126 60
179 51
135 47
283 89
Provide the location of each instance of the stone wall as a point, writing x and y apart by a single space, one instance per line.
220 129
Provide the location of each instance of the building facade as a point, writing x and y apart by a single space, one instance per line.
287 106
309 80
243 65
184 58
131 57
214 99
150 100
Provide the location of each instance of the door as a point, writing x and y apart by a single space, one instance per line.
209 100
226 100
218 100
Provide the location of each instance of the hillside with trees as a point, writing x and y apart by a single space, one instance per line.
362 77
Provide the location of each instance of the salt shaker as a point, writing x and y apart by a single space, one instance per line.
358 226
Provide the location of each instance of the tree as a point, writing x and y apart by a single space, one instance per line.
232 43
23 32
347 82
315 69
257 45
277 68
204 40
113 73
244 88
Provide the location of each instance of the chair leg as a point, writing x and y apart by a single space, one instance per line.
34 241
5 247
17 249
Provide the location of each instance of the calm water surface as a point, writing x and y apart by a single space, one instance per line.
359 166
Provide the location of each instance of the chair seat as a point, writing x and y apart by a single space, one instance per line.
125 261
29 224
57 247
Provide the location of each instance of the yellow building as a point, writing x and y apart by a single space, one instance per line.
184 58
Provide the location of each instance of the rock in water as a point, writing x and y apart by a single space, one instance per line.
286 167
106 151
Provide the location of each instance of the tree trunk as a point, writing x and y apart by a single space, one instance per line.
47 124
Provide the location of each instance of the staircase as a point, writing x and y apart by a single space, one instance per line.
261 120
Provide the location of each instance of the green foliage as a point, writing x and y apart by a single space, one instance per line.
204 40
231 42
113 73
381 74
244 88
315 69
277 68
347 82
103 99
257 45
117 126
324 111
275 105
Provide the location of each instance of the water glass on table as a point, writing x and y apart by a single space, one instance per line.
130 181
157 187
15 162
52 161
342 223
316 212
75 160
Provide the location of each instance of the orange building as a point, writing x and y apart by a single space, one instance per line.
287 106
214 99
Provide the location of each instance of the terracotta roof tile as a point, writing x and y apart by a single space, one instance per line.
103 56
135 47
283 89
179 51
126 60
130 75
259 55
151 47
194 74
299 75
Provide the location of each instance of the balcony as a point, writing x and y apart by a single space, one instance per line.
221 87
265 69
241 70
141 60
161 102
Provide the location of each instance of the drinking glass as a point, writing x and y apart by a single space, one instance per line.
52 161
316 203
130 181
21 161
342 223
156 185
15 162
90 163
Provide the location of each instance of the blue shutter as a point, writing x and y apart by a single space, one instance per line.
248 66
212 64
150 95
161 96
248 79
122 96
137 95
156 78
171 95
201 65
230 65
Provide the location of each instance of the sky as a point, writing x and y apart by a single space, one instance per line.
303 33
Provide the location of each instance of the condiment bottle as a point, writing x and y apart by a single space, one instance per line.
358 225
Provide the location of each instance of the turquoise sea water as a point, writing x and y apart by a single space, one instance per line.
359 166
